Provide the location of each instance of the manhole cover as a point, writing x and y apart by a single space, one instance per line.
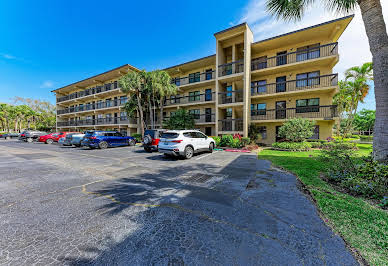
34 156
198 178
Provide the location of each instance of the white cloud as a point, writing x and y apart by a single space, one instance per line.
8 56
47 84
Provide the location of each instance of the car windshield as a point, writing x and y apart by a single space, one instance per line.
150 132
170 135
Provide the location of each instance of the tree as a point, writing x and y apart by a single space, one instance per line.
297 129
5 110
181 119
376 31
132 84
365 120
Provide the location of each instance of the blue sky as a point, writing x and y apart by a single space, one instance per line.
49 44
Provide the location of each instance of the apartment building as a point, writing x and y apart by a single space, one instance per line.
262 83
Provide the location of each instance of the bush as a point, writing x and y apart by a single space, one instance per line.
236 143
292 146
316 140
245 141
137 136
366 138
226 140
316 144
297 129
217 140
339 145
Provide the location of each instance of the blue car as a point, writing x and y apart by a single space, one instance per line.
105 139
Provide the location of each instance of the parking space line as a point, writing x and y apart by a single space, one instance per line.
206 155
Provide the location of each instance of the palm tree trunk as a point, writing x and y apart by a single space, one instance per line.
375 28
161 111
141 118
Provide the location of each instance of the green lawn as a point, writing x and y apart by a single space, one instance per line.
362 225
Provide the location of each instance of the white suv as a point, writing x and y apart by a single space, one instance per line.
185 143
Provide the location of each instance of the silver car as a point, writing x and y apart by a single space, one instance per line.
76 139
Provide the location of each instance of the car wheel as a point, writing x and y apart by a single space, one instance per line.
7 138
147 149
211 147
49 141
131 142
189 152
147 139
103 145
29 140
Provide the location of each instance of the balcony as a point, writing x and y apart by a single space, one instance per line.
200 118
230 125
324 81
316 112
228 97
93 106
98 121
322 51
194 79
88 92
191 99
231 68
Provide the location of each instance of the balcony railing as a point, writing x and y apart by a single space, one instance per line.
230 125
200 118
98 121
296 85
208 75
294 57
198 98
230 97
325 112
231 68
91 91
93 106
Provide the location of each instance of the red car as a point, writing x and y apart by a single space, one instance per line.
53 137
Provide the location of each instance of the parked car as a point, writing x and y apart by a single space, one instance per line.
31 135
61 140
69 138
53 137
105 139
151 139
185 143
76 139
10 135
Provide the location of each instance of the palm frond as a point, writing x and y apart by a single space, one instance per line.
288 9
341 6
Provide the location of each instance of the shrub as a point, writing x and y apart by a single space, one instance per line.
355 136
316 144
217 140
366 138
292 146
297 129
226 140
245 141
137 136
236 143
339 145
254 133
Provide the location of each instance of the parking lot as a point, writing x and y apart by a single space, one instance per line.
123 206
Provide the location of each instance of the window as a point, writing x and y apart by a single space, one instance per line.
194 77
281 84
107 86
123 114
258 109
259 86
259 63
172 114
117 134
175 98
194 96
208 95
195 113
229 89
262 131
176 81
209 74
308 52
307 79
228 69
115 84
108 103
228 112
316 133
281 58
123 99
199 135
208 131
307 105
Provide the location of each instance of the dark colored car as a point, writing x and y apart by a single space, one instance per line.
10 135
151 139
69 138
31 135
105 139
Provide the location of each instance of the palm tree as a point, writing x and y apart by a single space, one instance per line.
132 84
162 87
5 115
376 31
342 99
